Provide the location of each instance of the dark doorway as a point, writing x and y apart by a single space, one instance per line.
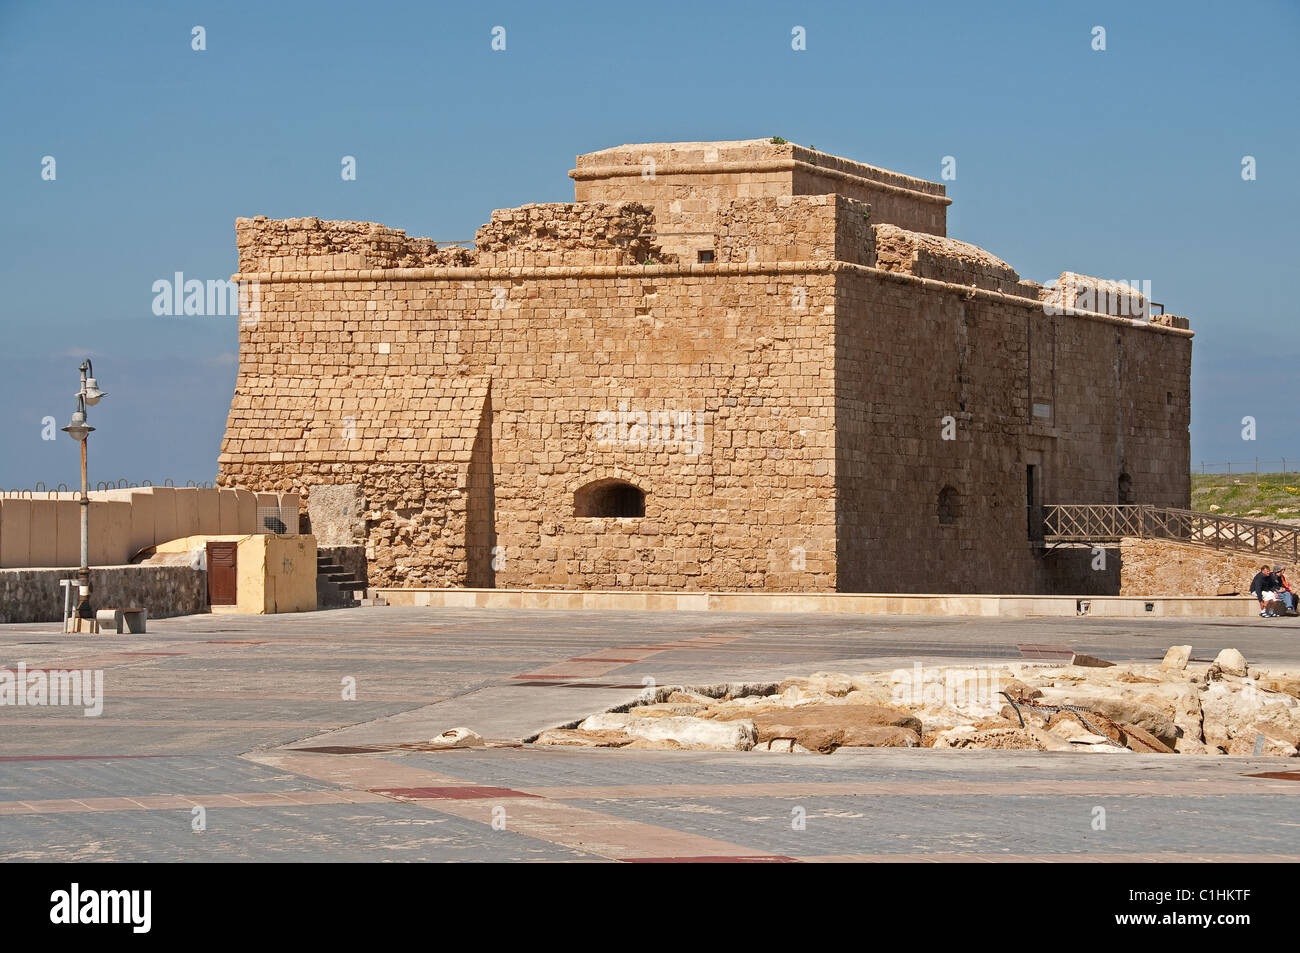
1125 491
1033 503
221 574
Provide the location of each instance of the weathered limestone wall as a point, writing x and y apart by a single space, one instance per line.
1154 567
912 355
568 234
456 478
309 244
895 199
337 513
946 259
1121 402
795 228
689 183
726 501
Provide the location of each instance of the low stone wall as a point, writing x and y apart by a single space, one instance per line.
34 595
1152 567
946 259
569 233
310 244
859 603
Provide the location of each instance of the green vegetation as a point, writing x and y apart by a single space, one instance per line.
1270 496
778 141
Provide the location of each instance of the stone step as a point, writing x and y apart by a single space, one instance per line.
347 588
341 578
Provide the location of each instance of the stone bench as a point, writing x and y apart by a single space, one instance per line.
131 620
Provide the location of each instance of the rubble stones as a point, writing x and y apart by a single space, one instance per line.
1130 711
1128 708
678 731
611 738
457 738
1090 661
1142 741
1231 662
827 727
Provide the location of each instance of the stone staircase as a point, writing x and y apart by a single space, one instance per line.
336 587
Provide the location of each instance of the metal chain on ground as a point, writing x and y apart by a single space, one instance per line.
1055 708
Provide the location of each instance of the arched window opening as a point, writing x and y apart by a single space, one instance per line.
1125 491
610 499
947 506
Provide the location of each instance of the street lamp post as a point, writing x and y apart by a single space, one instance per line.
78 429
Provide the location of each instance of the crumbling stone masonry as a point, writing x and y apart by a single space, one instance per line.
728 365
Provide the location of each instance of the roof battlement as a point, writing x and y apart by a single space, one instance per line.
689 204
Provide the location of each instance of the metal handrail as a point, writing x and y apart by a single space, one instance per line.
1095 522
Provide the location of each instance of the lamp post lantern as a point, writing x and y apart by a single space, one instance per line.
79 430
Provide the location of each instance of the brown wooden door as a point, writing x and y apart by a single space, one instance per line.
221 574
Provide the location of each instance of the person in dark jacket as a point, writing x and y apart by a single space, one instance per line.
1262 588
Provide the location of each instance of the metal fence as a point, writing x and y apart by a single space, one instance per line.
96 486
1252 468
277 520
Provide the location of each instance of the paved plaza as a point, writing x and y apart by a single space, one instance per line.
251 719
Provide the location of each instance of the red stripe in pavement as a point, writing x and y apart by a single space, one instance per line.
468 792
573 685
754 859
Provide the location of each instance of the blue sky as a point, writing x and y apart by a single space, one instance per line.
1122 164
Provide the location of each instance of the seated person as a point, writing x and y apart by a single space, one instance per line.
1261 588
1283 589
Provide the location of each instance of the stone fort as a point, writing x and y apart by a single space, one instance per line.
726 365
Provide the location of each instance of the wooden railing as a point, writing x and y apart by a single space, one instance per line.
1095 523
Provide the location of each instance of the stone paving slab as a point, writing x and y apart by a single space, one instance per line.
979 822
210 711
335 833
